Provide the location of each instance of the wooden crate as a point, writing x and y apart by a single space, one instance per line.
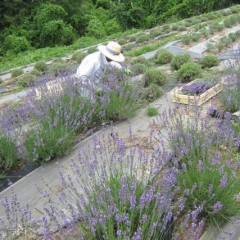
178 97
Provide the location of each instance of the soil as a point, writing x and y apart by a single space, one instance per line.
21 170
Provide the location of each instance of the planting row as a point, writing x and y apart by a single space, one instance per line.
121 191
210 30
44 126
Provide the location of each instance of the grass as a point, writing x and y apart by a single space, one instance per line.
152 111
151 47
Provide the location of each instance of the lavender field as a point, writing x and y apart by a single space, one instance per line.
100 165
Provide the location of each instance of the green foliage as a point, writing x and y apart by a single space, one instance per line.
14 44
47 13
40 66
179 60
153 75
79 56
152 111
152 92
195 37
186 39
155 33
36 73
163 57
209 61
26 80
1 80
56 32
230 98
96 29
8 152
59 68
16 72
141 60
48 142
112 26
188 72
111 193
92 50
122 41
142 38
209 190
121 105
138 68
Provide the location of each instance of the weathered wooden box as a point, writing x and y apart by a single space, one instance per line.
179 97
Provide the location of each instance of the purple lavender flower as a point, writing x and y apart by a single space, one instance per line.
196 88
224 181
217 207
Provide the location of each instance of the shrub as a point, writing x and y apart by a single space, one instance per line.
188 72
48 12
55 33
234 9
112 26
179 60
215 182
15 45
182 28
120 101
195 37
210 47
16 72
155 33
150 211
209 61
230 98
128 47
152 92
47 142
96 29
166 27
36 73
221 45
59 68
8 152
79 56
40 66
163 57
1 80
228 23
141 60
138 68
186 39
153 75
152 111
205 33
92 50
174 27
156 76
26 80
142 38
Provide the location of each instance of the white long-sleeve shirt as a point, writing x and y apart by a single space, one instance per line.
92 66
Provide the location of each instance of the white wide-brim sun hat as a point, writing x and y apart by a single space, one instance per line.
112 51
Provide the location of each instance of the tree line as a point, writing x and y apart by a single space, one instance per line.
29 24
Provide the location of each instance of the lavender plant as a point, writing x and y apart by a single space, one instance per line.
230 97
115 191
48 142
196 88
8 153
207 184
